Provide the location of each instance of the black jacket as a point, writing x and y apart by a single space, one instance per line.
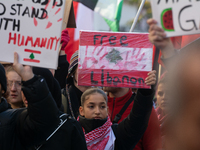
22 128
25 128
62 71
69 137
131 129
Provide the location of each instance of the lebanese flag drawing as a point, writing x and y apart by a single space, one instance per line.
32 57
114 59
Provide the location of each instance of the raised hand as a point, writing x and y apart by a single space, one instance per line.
158 37
25 72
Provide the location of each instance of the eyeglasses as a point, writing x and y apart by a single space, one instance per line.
16 83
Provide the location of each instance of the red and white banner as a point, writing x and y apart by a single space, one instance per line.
114 59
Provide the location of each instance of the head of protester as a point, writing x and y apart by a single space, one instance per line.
94 106
73 73
162 98
73 90
14 97
98 128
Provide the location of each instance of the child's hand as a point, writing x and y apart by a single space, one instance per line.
151 79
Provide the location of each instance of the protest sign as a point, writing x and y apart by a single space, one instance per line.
177 17
31 28
114 59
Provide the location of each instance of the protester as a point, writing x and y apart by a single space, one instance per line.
70 132
97 126
161 97
15 132
118 99
63 65
73 91
14 88
183 122
29 128
162 109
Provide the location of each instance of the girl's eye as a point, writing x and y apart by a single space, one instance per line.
103 107
90 107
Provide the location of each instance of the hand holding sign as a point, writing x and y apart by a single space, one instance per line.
114 59
158 37
25 72
151 79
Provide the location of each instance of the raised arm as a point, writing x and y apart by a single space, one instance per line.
40 119
158 37
62 70
131 129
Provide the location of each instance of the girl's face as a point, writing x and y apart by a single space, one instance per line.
162 97
95 107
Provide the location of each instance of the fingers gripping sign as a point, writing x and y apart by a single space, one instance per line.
25 72
157 36
151 79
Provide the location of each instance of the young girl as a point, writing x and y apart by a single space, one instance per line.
162 100
99 132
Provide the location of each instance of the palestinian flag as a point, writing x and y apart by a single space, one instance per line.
110 10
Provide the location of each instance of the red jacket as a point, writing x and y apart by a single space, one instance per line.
151 139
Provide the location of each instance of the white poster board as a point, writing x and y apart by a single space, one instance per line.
177 17
31 28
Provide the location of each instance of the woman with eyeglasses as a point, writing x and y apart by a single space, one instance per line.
14 96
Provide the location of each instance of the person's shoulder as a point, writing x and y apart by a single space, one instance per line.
69 121
10 115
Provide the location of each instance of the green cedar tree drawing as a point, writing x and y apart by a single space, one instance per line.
32 56
114 56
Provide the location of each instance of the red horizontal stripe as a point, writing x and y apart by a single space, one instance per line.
115 39
31 60
32 51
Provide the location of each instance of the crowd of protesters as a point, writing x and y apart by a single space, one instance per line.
47 109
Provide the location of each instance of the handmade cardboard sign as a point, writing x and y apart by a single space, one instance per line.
31 28
177 17
114 59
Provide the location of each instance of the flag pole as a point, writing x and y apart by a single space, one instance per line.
137 15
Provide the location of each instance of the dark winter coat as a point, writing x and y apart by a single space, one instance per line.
130 130
20 128
26 128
